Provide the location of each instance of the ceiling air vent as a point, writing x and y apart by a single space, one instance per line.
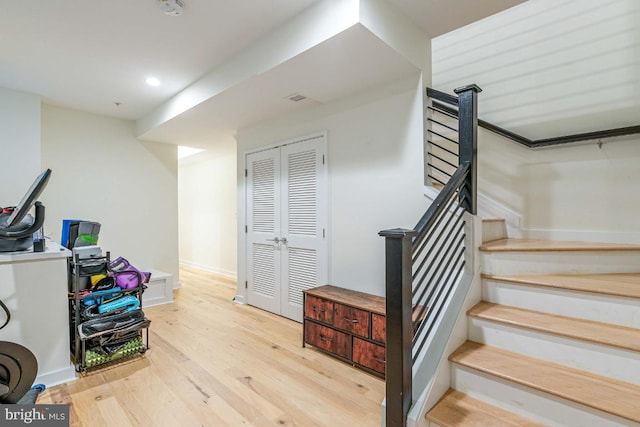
296 97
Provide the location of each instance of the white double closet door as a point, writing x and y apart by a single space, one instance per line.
286 198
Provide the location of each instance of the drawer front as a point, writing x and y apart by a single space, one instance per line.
318 309
369 354
351 319
379 327
327 339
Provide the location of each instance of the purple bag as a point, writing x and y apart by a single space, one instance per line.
126 275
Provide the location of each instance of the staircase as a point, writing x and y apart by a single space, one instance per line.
555 341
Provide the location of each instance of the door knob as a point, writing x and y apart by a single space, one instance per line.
274 240
284 241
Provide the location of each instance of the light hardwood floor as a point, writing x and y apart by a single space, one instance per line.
216 363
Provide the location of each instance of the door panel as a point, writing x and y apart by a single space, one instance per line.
263 179
263 226
264 270
303 220
301 275
302 192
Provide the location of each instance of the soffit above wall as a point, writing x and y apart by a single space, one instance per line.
94 56
349 63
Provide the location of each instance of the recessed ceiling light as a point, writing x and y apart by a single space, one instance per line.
152 81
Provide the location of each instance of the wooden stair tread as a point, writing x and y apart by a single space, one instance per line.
538 245
618 284
587 330
456 409
601 393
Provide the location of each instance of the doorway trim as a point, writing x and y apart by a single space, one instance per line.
241 295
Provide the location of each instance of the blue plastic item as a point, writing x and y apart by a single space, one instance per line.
129 301
98 297
64 234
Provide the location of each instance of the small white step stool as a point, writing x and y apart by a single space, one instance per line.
159 289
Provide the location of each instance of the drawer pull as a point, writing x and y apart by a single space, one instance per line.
350 320
379 360
319 310
323 338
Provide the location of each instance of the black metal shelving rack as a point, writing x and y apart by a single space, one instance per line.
80 269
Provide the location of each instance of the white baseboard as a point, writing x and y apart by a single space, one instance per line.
215 270
54 378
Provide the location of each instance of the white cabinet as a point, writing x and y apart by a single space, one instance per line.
34 288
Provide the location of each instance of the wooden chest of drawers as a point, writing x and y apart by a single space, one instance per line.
347 324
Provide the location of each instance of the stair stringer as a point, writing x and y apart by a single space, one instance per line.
432 370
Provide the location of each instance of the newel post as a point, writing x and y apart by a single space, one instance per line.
468 140
399 325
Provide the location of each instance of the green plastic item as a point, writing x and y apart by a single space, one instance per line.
131 348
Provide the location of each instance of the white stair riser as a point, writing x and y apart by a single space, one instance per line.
579 262
583 305
599 359
530 403
493 230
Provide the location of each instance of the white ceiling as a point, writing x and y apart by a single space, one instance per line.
90 55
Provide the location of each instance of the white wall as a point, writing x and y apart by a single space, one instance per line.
549 67
101 172
375 175
576 192
552 68
207 200
19 144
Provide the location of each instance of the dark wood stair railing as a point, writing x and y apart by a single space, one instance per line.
416 279
424 264
446 102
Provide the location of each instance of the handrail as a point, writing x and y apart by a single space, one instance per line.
522 140
426 270
442 96
440 202
425 265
